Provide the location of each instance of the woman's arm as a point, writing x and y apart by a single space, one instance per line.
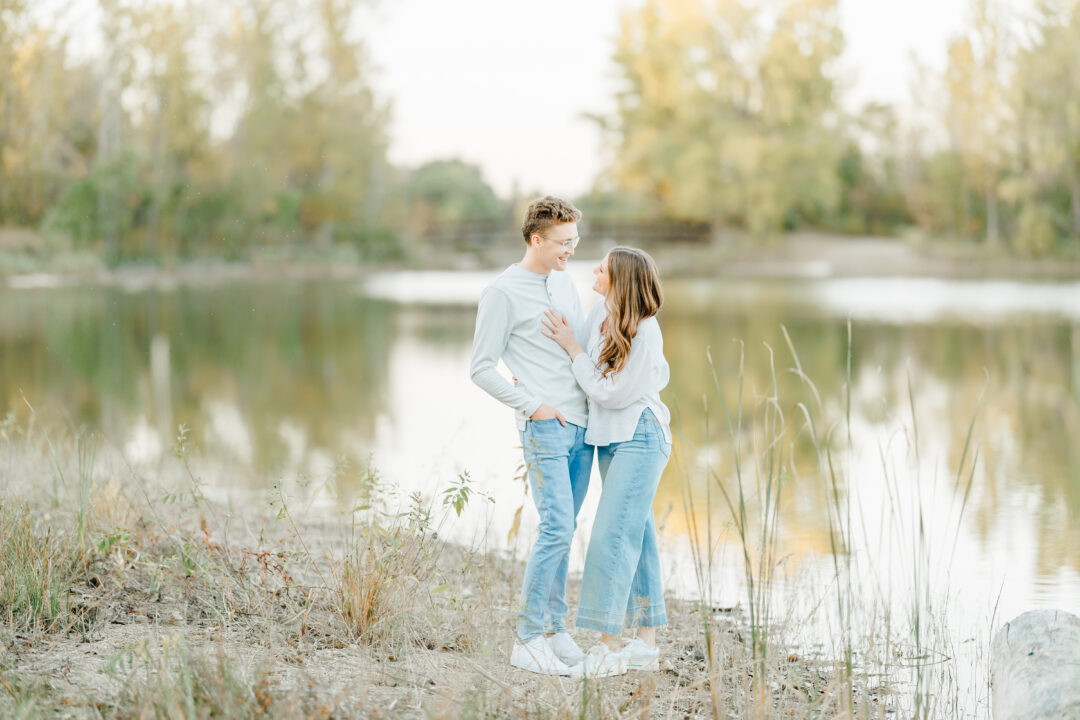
646 372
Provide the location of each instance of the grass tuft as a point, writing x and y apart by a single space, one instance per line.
38 569
175 682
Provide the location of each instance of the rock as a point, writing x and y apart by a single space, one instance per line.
1035 667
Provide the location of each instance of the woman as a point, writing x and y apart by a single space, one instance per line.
622 370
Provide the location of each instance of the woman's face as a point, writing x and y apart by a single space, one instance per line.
603 280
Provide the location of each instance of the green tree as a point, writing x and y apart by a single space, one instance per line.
721 121
937 196
44 116
13 28
1049 107
310 144
449 191
798 98
871 186
172 124
977 113
684 103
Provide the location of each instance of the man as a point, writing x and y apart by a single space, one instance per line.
551 415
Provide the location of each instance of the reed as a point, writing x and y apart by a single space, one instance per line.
872 657
246 615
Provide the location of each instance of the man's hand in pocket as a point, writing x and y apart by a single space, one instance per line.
546 412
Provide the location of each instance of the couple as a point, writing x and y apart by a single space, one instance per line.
582 384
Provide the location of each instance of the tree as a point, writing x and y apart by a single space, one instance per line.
721 121
43 116
1049 105
13 29
172 123
976 112
871 187
449 191
309 150
799 112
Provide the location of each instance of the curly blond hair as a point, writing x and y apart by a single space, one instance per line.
546 212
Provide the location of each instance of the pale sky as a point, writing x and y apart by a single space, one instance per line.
505 84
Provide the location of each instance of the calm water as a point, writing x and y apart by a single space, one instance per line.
280 381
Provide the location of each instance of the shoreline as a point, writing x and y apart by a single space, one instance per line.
801 256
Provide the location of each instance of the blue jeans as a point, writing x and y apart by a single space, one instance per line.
559 463
621 583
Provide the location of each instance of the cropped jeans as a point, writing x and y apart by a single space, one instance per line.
559 464
621 585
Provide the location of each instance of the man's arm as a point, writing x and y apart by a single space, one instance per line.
493 325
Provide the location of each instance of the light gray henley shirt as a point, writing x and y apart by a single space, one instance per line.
508 326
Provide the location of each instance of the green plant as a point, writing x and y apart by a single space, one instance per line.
459 492
37 572
386 566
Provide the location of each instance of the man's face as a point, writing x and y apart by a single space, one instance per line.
549 245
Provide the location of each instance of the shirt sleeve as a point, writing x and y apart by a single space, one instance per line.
578 320
646 372
493 325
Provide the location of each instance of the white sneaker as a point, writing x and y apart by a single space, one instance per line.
566 649
640 656
538 657
600 661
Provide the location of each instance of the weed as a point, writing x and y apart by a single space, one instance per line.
861 669
37 572
174 681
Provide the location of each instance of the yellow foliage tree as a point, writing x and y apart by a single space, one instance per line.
977 114
721 119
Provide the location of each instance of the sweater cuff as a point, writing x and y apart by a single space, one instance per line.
531 408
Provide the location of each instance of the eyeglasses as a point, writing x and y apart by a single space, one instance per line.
566 244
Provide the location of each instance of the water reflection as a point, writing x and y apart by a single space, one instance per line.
262 374
285 379
1024 430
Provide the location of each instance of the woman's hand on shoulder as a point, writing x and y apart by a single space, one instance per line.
559 330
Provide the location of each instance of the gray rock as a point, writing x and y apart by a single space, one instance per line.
1035 667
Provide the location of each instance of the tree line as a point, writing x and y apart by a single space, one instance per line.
197 128
731 113
208 128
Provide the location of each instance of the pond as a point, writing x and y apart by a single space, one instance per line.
308 382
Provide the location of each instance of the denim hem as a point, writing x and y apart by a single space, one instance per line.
652 619
584 620
518 635
646 614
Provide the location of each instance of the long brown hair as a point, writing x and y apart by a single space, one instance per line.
634 294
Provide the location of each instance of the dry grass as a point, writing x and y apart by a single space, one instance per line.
126 596
37 570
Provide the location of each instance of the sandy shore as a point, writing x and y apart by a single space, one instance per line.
130 594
